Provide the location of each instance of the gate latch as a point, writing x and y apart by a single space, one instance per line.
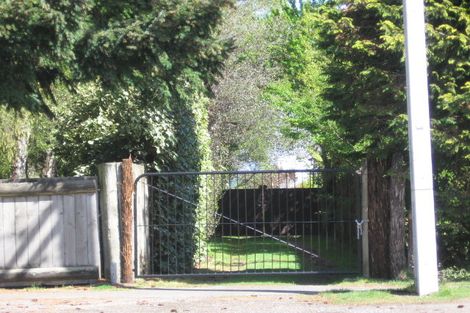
359 228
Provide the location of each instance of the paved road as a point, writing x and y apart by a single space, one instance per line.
215 299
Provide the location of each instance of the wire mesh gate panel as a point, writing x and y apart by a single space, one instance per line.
229 223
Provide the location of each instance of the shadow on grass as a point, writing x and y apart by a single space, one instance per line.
355 288
233 290
295 279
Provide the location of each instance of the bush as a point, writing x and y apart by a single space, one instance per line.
454 274
453 221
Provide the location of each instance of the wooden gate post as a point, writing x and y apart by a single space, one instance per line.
141 247
127 188
365 219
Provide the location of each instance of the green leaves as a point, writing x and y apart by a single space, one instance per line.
37 40
350 96
45 41
152 34
244 126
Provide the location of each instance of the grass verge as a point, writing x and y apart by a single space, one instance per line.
343 291
336 281
449 291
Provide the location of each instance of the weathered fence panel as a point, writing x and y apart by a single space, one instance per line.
49 230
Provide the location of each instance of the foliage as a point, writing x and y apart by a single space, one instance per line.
101 126
41 143
454 273
206 209
166 131
347 57
13 125
157 38
45 40
192 153
7 142
243 125
127 79
298 92
130 57
453 222
448 35
37 39
140 75
338 82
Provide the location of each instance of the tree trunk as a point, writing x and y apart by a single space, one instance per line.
386 188
20 163
379 215
397 241
49 168
410 242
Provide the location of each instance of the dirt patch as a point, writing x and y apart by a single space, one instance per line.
243 299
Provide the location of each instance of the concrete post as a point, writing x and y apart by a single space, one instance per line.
422 195
109 175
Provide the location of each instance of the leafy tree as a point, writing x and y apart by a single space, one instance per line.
132 59
153 61
128 78
115 46
298 90
448 34
356 80
37 39
26 142
243 125
366 87
147 67
102 126
125 41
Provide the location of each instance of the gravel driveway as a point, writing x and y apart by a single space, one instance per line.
214 299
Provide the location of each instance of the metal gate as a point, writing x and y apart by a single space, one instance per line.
248 222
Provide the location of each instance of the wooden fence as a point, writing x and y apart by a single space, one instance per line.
49 230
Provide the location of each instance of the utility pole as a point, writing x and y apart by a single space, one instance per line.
419 137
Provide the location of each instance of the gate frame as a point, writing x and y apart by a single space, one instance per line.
362 225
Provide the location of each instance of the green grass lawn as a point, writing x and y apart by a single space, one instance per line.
335 254
263 254
236 254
